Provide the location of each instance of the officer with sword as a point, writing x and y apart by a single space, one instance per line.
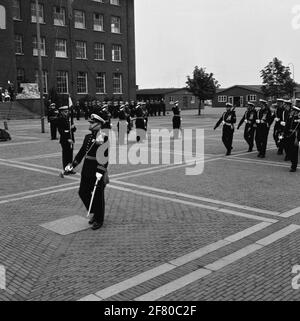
94 176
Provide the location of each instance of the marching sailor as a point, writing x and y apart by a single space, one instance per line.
228 120
249 119
94 176
176 119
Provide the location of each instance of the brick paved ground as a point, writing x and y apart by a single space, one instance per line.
154 215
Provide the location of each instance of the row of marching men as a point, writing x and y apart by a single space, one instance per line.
286 131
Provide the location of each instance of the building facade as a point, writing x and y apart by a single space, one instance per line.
87 46
238 96
186 99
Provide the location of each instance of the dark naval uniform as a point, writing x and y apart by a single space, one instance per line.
91 166
52 119
228 120
176 117
249 132
140 124
292 138
263 122
278 128
63 125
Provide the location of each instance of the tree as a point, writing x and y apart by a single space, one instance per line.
203 85
277 80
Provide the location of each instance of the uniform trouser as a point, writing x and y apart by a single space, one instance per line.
227 137
261 138
67 153
78 115
53 130
86 188
249 134
292 150
176 125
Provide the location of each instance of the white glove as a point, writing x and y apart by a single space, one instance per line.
223 123
277 119
257 121
98 176
69 168
282 123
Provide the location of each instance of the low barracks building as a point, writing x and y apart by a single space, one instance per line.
88 46
238 95
185 98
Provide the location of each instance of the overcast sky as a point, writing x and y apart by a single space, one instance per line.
234 39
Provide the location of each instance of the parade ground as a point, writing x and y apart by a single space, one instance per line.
229 233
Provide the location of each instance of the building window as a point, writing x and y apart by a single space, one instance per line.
16 10
99 51
117 83
171 99
82 83
100 83
116 53
115 25
61 48
40 11
59 16
62 82
222 99
79 19
20 76
35 46
252 98
98 1
45 79
98 22
80 50
193 100
115 2
19 44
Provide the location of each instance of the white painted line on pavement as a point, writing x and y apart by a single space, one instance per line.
39 194
291 212
36 190
278 235
136 280
177 284
157 271
198 198
253 161
174 285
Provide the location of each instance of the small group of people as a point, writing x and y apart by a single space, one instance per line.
7 94
286 132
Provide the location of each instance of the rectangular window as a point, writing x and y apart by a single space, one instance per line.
62 82
16 10
222 99
45 79
116 53
35 46
117 83
252 98
79 19
59 16
18 44
61 48
98 22
171 99
193 100
100 83
99 51
115 2
80 50
82 82
115 25
40 11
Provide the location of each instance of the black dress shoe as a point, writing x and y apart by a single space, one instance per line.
69 173
249 150
228 153
92 221
293 170
96 226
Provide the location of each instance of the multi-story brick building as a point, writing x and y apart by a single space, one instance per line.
87 46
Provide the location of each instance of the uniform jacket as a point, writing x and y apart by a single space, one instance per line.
229 119
88 152
249 118
63 125
264 117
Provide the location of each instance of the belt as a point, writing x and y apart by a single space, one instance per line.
90 158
